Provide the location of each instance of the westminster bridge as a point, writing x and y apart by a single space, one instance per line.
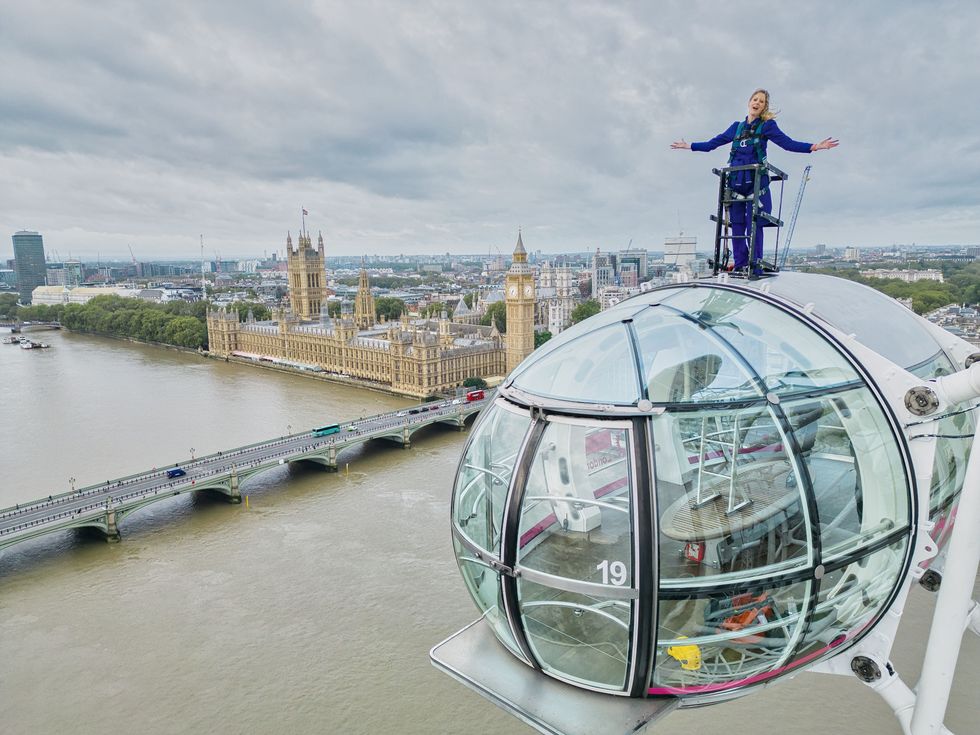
16 326
103 506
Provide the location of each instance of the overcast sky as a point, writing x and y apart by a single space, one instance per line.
424 127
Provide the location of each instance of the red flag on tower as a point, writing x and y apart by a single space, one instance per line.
305 213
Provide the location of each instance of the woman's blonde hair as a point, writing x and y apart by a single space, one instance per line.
766 113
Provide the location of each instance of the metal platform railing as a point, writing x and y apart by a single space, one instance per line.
758 217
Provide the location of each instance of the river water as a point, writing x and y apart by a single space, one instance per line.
310 611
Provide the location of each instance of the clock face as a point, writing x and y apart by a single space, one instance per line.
528 290
512 291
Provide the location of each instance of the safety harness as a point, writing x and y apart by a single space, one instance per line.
752 134
749 135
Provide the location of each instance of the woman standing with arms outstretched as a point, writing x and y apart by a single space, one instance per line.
749 139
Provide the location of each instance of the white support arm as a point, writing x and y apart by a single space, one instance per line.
973 622
953 611
961 386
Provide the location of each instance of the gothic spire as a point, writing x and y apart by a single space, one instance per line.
520 244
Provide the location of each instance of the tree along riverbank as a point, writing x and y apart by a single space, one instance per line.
175 323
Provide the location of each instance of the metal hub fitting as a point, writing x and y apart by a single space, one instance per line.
921 400
931 580
975 357
865 669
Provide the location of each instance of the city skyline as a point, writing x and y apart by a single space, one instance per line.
448 127
52 256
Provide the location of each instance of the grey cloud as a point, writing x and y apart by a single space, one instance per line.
434 124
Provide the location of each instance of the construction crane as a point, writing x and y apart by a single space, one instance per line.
132 254
204 280
792 219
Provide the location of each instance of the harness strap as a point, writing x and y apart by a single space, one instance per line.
754 134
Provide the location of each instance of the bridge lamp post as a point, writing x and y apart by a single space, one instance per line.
71 481
192 453
289 429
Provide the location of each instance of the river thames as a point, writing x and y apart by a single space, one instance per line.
310 611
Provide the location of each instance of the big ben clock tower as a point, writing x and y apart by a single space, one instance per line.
519 292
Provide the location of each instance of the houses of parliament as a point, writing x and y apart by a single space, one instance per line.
411 357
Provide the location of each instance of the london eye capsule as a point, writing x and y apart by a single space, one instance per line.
710 486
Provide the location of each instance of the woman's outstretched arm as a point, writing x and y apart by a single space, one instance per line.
772 132
709 145
825 145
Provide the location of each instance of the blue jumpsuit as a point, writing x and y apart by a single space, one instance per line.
741 182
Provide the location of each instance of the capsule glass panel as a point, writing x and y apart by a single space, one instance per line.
953 447
575 552
598 367
936 366
683 363
855 468
576 510
736 636
560 341
485 473
483 584
781 350
851 594
877 321
731 499
583 638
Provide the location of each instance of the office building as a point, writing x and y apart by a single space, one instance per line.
68 273
29 263
680 251
603 272
632 261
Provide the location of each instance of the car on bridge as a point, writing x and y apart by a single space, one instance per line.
176 472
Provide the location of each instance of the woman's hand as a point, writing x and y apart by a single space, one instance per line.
683 144
825 145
